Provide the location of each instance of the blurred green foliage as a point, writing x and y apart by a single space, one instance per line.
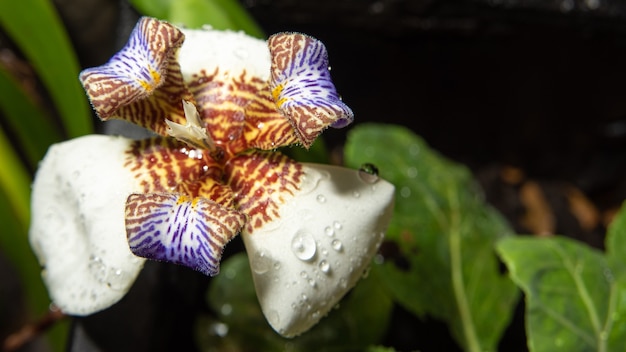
575 295
28 129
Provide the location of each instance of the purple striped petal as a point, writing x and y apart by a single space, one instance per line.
142 83
302 87
180 230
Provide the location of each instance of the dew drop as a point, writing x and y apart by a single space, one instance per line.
116 279
324 266
329 231
303 246
310 180
276 265
320 198
336 245
97 268
356 194
304 275
312 283
368 173
343 283
261 263
337 225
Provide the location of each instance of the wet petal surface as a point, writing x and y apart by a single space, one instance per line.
305 261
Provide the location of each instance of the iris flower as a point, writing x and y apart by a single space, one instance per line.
219 103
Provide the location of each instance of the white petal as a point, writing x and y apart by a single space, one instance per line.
231 52
307 260
77 228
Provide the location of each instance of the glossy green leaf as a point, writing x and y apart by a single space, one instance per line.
219 14
32 127
441 260
576 295
360 320
37 30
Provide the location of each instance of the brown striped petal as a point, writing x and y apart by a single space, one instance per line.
181 230
142 83
302 87
262 182
231 89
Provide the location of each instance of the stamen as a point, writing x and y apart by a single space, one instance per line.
193 133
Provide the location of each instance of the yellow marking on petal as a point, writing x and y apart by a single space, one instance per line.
276 95
182 199
156 76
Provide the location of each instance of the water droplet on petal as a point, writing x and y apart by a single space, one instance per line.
276 265
368 173
337 225
312 283
310 181
336 245
97 268
261 263
324 266
320 198
303 245
343 283
356 194
329 231
116 279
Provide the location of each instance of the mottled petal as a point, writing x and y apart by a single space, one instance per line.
302 87
77 223
180 230
262 182
164 164
231 88
318 246
142 83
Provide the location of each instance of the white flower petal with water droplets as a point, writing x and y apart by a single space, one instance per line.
77 227
304 262
237 53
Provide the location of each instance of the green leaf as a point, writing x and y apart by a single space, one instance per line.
568 289
32 127
575 295
444 234
220 14
37 30
349 327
